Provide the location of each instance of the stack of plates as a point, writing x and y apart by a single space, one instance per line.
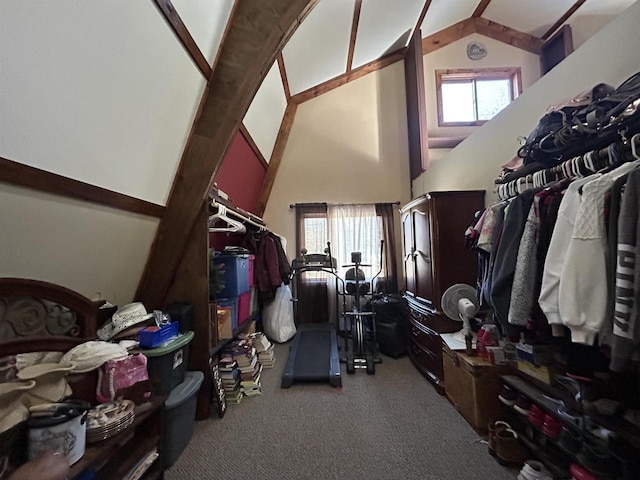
109 419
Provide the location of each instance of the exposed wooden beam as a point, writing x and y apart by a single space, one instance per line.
484 27
448 35
482 6
563 19
276 157
173 19
508 35
357 7
258 31
247 136
423 14
40 180
416 107
283 75
349 77
226 32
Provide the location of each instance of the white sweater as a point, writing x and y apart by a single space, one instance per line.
549 292
583 286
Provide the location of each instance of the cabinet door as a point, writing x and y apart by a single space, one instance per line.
422 253
408 248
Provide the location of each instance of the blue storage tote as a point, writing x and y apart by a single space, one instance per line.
180 417
236 270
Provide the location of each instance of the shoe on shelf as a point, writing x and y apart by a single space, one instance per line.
552 427
507 396
534 470
522 405
536 415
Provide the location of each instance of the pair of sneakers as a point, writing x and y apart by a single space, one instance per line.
518 402
534 470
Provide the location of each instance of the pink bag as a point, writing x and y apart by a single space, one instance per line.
115 375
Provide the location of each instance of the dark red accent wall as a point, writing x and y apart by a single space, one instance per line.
240 176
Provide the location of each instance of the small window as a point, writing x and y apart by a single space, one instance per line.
471 97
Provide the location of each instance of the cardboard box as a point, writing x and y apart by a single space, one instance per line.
225 323
536 354
539 372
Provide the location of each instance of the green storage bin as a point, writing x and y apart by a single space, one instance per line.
167 364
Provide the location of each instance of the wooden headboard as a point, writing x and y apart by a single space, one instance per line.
39 316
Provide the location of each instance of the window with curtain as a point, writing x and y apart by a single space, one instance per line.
350 228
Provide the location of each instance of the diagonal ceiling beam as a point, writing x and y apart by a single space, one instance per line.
357 7
348 77
508 35
448 35
563 19
258 32
171 16
423 14
482 6
484 27
283 76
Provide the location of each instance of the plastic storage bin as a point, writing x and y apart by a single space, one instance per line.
180 417
244 307
167 365
235 274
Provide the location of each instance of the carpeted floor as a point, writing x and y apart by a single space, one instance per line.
391 425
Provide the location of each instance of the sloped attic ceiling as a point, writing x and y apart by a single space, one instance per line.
98 100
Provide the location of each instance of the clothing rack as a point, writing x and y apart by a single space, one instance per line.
612 156
241 215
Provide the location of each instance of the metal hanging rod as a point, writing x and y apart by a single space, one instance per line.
325 204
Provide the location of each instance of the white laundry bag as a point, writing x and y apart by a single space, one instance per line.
277 317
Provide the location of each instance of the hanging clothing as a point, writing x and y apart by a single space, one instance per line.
583 284
626 331
549 291
505 260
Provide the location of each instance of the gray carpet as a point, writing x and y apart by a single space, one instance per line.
391 425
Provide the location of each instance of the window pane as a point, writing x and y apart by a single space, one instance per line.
315 234
457 102
493 96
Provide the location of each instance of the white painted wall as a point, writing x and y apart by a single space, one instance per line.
206 21
101 92
346 146
97 251
104 93
454 56
475 163
266 111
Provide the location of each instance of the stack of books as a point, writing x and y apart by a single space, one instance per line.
230 375
265 349
244 353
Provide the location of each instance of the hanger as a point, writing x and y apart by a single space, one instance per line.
233 226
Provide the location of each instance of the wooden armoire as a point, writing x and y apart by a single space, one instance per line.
434 258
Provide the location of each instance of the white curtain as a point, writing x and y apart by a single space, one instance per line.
353 228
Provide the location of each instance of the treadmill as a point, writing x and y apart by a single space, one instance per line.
313 354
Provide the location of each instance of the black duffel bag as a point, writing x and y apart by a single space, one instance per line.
391 324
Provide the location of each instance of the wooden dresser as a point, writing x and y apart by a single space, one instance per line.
434 258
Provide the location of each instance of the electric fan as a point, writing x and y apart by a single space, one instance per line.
459 302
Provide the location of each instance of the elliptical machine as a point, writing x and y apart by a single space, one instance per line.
360 341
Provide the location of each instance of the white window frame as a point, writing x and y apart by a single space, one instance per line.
513 74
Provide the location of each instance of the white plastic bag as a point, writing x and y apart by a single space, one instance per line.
277 317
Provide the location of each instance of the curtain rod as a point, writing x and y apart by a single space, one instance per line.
325 204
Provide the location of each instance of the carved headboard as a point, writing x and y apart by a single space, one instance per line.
39 316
